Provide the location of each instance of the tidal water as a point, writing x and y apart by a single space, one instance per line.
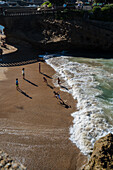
90 81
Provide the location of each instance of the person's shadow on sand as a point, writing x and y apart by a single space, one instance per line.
50 86
21 91
46 75
31 82
63 87
64 104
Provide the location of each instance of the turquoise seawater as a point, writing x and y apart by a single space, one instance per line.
104 77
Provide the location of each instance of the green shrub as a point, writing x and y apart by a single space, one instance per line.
96 12
96 9
105 13
47 3
105 9
109 5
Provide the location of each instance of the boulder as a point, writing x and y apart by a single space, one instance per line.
102 155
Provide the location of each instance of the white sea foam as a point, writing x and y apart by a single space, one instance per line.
89 122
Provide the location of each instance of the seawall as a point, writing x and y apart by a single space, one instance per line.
46 34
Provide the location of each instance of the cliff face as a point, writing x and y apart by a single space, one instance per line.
102 156
53 35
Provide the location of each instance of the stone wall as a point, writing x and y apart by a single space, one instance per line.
47 34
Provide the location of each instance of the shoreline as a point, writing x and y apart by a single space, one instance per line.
79 75
36 134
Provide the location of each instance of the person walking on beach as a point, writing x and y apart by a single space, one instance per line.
17 86
57 95
45 80
39 67
23 73
59 81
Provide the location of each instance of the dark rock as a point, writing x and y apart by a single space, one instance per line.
101 157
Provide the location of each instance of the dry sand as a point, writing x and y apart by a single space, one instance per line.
34 127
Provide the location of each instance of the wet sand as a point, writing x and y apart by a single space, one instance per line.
34 127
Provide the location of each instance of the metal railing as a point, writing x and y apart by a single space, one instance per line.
25 11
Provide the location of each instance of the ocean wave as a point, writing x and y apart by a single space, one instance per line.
82 81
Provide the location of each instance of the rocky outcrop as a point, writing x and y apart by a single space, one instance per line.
102 156
6 162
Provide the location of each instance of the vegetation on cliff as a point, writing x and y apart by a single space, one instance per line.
104 14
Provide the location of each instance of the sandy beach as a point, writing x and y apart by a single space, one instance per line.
34 127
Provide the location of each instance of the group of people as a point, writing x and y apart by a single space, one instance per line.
56 94
23 74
